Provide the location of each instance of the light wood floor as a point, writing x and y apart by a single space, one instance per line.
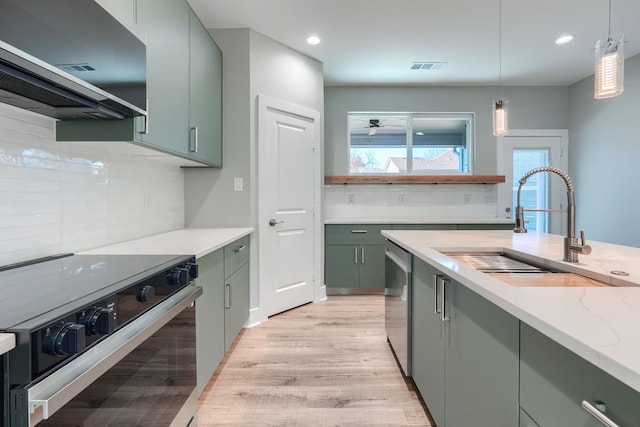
322 364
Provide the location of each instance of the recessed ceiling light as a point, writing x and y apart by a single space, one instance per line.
313 40
564 39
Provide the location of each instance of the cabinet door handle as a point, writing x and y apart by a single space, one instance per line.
359 231
362 255
227 304
355 255
436 283
194 147
240 248
597 409
145 128
443 299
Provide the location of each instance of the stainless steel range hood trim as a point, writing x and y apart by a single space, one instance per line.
28 78
54 80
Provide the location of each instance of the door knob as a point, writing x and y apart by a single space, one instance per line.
273 222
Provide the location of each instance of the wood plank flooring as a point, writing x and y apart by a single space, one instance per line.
322 364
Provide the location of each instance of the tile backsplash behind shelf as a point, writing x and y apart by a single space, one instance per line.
410 201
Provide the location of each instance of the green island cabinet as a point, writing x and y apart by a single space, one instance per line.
555 381
464 353
184 86
354 253
223 308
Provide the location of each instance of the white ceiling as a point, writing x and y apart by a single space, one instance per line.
375 42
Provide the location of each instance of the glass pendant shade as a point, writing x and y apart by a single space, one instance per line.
609 73
500 117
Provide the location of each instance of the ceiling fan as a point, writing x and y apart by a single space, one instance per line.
375 124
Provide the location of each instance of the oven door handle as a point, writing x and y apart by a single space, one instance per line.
53 392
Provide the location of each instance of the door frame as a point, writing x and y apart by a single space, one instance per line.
265 103
504 193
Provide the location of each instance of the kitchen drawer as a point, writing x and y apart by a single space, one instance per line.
236 254
355 234
554 381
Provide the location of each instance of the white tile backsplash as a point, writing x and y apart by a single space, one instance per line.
66 197
410 201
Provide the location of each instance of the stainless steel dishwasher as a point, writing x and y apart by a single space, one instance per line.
397 303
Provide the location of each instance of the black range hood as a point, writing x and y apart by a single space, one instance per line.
70 59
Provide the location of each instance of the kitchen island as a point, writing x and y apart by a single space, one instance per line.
598 324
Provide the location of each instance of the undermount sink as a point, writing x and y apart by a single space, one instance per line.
520 272
496 262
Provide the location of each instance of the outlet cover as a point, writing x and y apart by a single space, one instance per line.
238 184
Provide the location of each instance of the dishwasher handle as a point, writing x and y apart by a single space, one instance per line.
399 256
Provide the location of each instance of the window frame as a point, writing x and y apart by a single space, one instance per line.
469 157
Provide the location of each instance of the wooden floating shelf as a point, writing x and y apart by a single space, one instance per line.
413 179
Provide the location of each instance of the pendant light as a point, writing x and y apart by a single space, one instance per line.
500 111
609 73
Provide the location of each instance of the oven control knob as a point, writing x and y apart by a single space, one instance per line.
178 276
68 338
146 293
193 270
99 321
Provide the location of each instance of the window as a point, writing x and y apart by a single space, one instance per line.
535 192
422 144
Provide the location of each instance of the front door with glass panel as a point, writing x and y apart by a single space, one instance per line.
526 150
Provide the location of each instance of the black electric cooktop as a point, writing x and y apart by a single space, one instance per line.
33 293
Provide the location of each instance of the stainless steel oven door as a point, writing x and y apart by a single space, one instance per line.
141 375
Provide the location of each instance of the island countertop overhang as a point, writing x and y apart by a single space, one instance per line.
598 324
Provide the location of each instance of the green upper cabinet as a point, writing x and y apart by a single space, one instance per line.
167 25
205 95
184 88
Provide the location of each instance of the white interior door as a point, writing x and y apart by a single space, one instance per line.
523 150
287 187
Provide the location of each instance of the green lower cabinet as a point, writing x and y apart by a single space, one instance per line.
555 381
465 366
354 253
428 341
236 304
223 308
342 270
354 266
210 312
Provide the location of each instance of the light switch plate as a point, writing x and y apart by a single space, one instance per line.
238 184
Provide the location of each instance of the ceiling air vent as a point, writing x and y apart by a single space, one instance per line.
427 65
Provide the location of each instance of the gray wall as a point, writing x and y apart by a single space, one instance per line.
604 154
252 65
210 199
530 108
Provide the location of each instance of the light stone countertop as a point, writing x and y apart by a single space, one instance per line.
187 241
7 342
601 324
449 220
